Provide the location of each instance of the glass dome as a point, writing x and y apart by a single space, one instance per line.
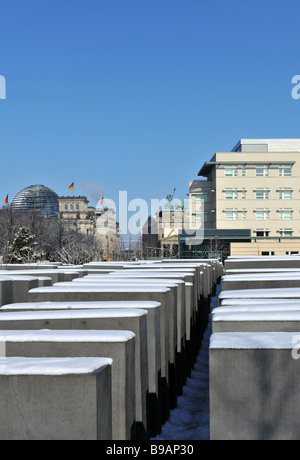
37 197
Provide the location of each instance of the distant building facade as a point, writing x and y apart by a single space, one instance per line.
251 197
76 211
107 232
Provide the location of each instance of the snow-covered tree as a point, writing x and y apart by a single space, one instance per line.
23 248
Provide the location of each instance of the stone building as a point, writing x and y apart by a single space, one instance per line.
76 211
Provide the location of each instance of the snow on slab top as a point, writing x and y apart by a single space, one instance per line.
236 271
94 304
66 336
111 288
37 272
253 340
261 276
229 302
144 274
120 281
20 278
257 307
270 293
52 366
282 315
161 268
72 314
4 278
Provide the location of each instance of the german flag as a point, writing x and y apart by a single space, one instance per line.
71 186
6 200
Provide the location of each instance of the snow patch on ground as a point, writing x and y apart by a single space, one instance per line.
190 419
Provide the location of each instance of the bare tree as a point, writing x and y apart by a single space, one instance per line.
55 238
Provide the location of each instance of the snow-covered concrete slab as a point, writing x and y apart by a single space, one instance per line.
6 290
262 262
259 294
54 273
117 345
177 302
253 340
248 271
21 286
261 281
153 337
257 397
101 319
257 307
39 397
256 301
256 321
112 293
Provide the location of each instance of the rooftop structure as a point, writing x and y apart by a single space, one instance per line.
37 197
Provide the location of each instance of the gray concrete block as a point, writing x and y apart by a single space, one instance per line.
84 293
256 321
6 290
261 281
55 274
153 409
262 262
254 391
117 345
259 294
55 399
21 287
134 320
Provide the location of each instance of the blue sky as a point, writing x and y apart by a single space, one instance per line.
136 94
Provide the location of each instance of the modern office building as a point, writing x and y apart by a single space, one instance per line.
251 198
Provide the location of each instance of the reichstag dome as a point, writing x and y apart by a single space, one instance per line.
37 197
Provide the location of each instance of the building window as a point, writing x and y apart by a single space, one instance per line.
262 214
66 207
262 171
285 214
230 171
201 217
262 232
286 232
231 194
243 171
77 207
71 207
243 214
231 214
262 194
285 194
268 253
243 194
201 197
285 170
